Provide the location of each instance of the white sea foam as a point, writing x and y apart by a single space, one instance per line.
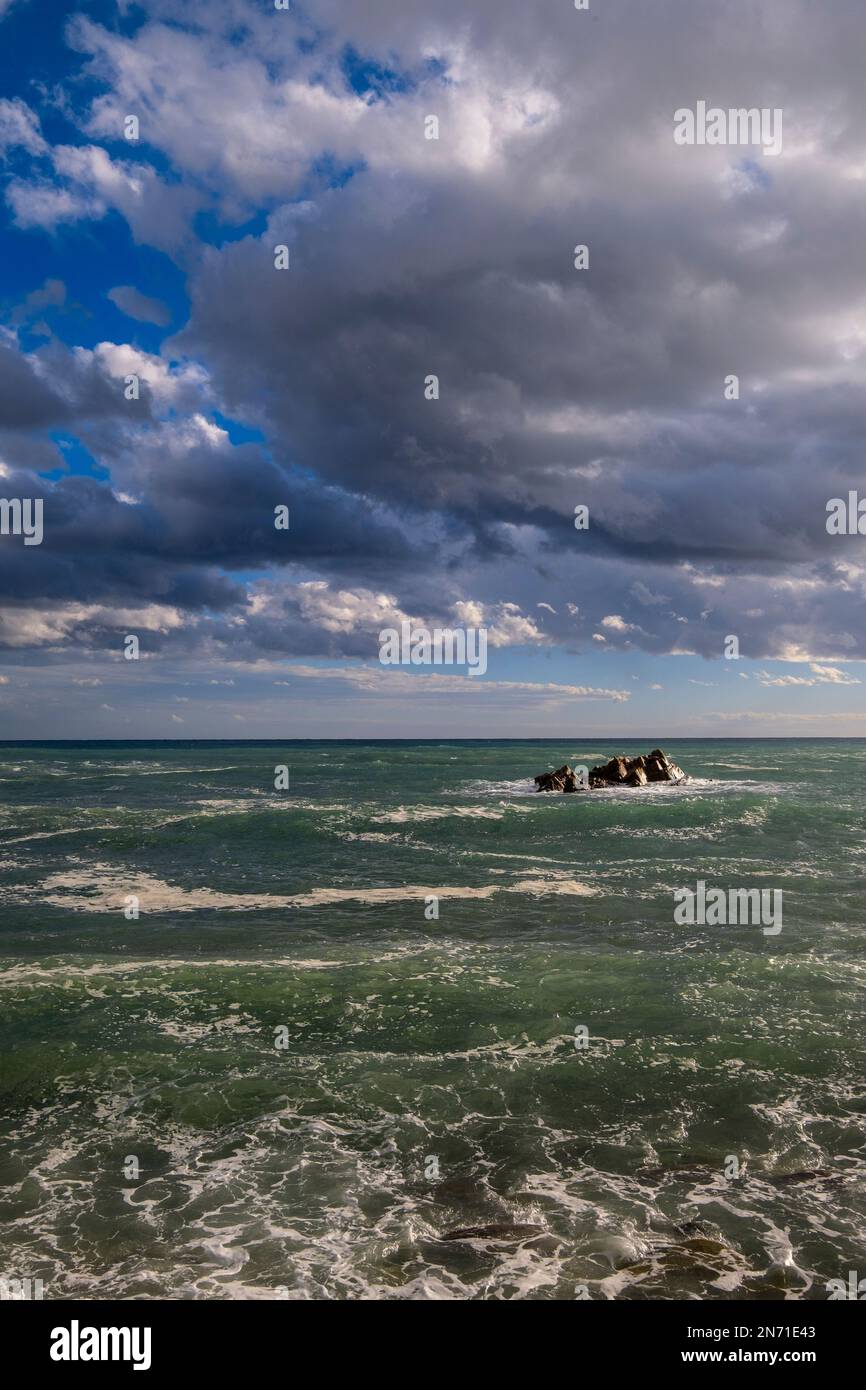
522 787
746 767
372 837
52 834
404 814
105 888
63 970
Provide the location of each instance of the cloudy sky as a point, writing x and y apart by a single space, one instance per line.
410 257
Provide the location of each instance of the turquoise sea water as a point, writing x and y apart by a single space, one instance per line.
155 1141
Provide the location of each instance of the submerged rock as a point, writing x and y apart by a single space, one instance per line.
821 1175
619 772
701 1258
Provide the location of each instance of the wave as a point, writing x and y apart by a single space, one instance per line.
404 814
522 786
338 1205
63 969
745 767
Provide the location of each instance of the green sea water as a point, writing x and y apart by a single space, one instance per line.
287 1078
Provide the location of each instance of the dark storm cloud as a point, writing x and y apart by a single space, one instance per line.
207 510
26 401
54 387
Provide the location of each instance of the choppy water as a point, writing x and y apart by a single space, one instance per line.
419 1046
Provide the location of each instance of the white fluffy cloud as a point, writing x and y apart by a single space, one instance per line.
19 128
84 183
36 627
821 675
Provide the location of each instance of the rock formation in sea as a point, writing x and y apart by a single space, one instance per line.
563 780
618 772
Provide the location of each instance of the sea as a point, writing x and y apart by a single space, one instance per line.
375 1020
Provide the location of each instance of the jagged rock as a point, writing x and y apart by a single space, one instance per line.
659 767
671 770
636 772
563 780
609 774
554 781
620 771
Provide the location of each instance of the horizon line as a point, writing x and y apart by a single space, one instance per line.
467 738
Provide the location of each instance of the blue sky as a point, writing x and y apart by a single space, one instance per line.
410 257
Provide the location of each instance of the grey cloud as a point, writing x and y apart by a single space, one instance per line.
136 305
26 400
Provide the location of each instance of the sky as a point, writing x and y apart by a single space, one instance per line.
607 386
